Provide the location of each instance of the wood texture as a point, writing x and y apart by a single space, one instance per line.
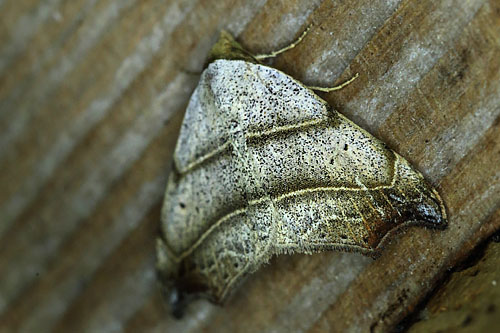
92 94
469 300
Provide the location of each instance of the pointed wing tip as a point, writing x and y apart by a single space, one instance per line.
432 213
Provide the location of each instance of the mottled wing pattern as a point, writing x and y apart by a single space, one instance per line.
264 166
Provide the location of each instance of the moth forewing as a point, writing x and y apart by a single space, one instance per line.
264 166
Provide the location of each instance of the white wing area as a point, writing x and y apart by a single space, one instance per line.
235 95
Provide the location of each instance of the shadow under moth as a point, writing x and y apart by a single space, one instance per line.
264 166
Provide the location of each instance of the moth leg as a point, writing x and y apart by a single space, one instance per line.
340 86
286 48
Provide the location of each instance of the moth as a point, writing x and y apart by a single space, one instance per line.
264 166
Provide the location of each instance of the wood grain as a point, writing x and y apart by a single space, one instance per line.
92 94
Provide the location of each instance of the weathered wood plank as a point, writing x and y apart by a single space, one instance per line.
469 300
92 95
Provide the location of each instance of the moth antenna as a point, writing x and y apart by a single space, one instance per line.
340 86
286 48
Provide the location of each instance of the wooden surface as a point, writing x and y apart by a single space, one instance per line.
469 300
92 94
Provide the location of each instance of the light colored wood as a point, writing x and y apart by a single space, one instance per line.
92 95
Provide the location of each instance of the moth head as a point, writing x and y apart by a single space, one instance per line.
228 48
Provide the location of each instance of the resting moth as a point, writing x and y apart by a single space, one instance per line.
264 166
